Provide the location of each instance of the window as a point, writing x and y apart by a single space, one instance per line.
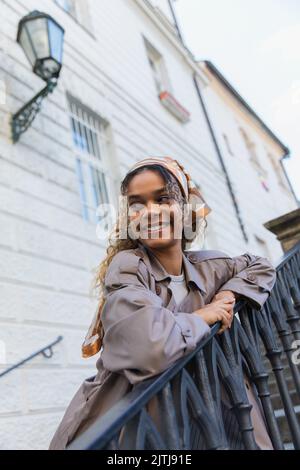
163 85
251 147
78 9
91 138
68 6
260 170
227 143
158 68
279 172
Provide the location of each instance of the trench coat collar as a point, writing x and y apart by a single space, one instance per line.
192 275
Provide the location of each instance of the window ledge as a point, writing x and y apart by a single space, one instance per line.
173 106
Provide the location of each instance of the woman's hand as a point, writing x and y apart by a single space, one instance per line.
225 294
218 310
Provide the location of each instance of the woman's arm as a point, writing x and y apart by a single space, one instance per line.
252 277
142 338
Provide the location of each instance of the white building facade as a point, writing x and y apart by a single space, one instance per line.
251 154
126 91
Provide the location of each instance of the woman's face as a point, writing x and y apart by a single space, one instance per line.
155 216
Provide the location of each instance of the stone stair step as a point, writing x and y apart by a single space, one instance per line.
277 402
291 387
283 424
289 446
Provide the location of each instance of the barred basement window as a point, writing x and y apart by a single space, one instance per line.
92 147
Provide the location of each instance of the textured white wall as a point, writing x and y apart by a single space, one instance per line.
47 252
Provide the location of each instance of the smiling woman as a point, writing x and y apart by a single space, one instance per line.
142 326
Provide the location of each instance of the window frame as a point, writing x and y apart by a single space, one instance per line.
159 68
76 13
92 159
279 172
251 149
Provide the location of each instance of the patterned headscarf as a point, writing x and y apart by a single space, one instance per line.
193 197
190 190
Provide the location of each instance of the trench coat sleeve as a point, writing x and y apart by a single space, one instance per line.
142 337
252 277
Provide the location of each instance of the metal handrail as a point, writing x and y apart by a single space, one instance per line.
217 360
28 358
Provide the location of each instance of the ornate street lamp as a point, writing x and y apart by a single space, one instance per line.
41 39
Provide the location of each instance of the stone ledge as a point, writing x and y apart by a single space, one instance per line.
286 228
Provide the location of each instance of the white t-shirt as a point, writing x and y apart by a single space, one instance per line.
178 287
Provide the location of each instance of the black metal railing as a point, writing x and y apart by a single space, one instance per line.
183 408
46 351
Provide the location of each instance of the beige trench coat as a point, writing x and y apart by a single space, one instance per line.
145 331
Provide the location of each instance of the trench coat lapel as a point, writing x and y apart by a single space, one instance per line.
160 274
196 289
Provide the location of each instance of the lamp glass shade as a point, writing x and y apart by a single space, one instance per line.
42 41
56 39
38 33
27 46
